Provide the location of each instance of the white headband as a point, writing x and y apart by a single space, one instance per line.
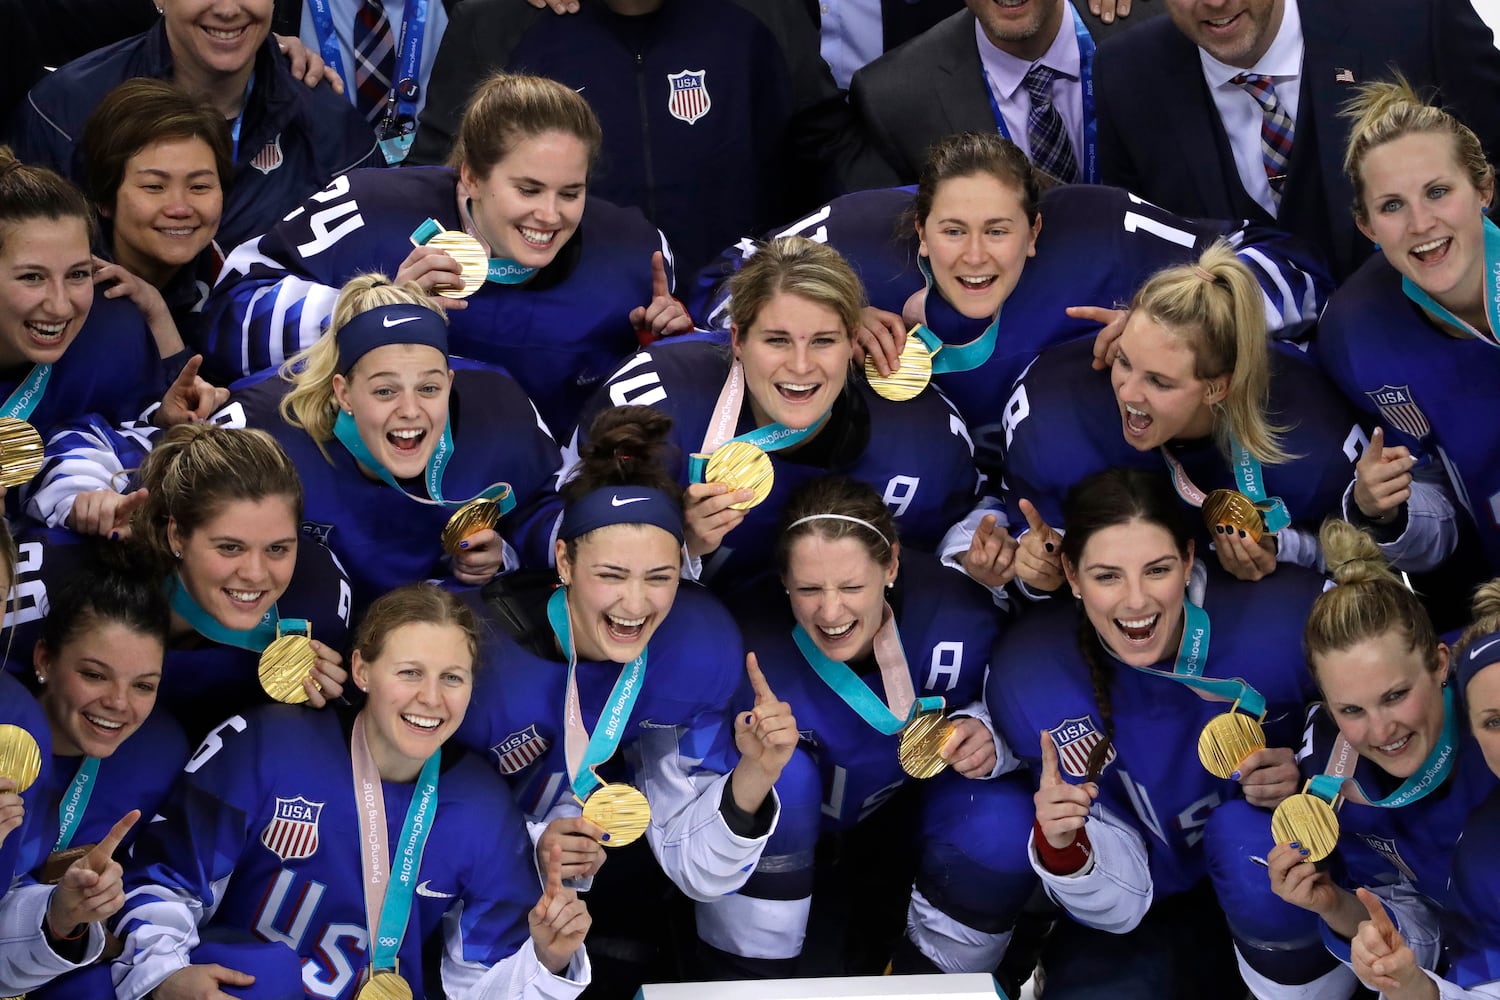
841 517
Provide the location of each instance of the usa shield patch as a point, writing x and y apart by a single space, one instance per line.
519 749
1398 406
1386 848
1075 739
269 157
292 833
688 100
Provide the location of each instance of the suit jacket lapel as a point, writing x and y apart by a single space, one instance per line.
965 106
1192 124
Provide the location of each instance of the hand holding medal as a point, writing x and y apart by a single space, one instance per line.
559 921
970 749
12 808
445 268
766 737
578 843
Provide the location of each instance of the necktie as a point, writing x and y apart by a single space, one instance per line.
1275 130
374 58
1050 149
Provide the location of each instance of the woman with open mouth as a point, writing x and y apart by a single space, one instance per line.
213 514
617 705
1388 751
392 443
1410 338
786 387
97 667
347 847
1172 656
1197 394
568 278
871 640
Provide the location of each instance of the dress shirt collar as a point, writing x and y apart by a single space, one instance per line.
1006 71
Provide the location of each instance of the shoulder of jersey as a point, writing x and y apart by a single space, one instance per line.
934 590
405 190
606 224
1369 305
19 708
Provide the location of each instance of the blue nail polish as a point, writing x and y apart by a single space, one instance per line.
1235 776
1305 852
463 545
114 536
1294 845
604 837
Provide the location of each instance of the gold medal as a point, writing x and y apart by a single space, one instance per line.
740 465
58 863
1233 508
920 749
1308 820
21 452
20 757
1227 740
384 984
621 810
470 519
285 664
472 259
907 381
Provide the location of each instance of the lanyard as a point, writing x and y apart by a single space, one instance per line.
500 270
437 465
894 674
1491 293
254 639
28 395
1248 477
587 751
726 416
239 119
1192 660
1086 80
404 88
70 809
1427 778
389 888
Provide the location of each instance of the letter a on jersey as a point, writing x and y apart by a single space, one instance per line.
1075 740
292 833
688 100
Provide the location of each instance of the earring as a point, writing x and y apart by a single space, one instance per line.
41 678
890 585
176 554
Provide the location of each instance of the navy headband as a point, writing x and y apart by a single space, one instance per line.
403 323
622 505
1482 652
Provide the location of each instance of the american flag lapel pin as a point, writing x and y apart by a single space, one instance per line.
1342 75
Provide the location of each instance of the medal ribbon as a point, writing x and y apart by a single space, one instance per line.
1247 473
254 639
239 119
501 270
1491 293
1427 778
28 395
772 437
400 105
1192 660
348 435
1090 170
955 357
587 751
894 674
70 809
388 892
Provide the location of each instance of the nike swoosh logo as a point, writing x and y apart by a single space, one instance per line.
1474 653
387 322
648 724
424 888
617 502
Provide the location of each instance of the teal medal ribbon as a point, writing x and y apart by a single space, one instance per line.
254 639
1192 660
772 437
1491 292
948 358
1423 782
348 436
887 720
1249 479
27 396
587 751
390 882
70 810
501 270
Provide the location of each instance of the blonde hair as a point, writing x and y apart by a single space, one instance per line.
194 470
1388 110
1486 611
413 604
310 404
1369 601
509 108
797 266
1214 306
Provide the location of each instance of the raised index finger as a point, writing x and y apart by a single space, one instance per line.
763 693
105 849
1376 909
190 370
1051 772
659 284
1376 448
554 871
1034 518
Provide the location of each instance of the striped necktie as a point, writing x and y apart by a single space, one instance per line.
1275 130
1050 148
374 58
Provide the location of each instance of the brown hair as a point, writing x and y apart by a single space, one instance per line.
413 604
796 266
28 193
136 114
625 446
968 154
843 496
508 108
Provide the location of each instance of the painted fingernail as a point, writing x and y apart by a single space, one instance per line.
1294 845
463 545
114 536
1235 776
1218 529
1305 852
604 837
1242 533
1050 547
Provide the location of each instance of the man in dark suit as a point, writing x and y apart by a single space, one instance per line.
936 84
1194 143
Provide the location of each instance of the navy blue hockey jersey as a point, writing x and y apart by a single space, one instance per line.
559 334
23 849
1471 915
